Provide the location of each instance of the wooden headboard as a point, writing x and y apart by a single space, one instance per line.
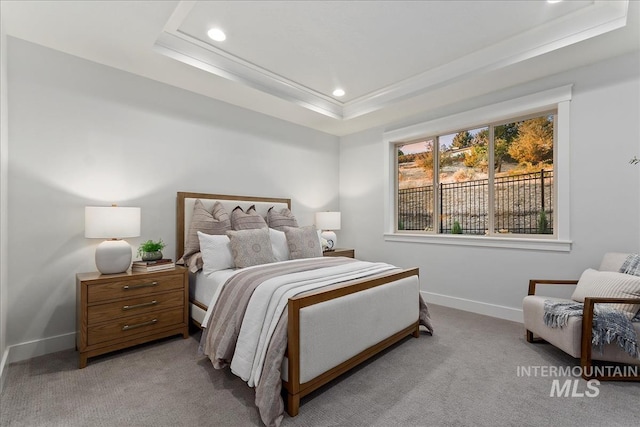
186 201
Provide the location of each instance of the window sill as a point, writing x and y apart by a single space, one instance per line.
484 241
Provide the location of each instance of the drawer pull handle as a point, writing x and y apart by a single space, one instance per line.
150 322
144 304
142 285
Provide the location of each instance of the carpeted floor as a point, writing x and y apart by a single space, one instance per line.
464 375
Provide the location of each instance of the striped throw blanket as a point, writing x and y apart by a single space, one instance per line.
631 265
609 325
224 327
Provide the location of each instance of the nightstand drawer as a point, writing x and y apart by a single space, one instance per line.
133 287
116 311
129 326
349 253
134 306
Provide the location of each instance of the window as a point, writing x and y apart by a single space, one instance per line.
461 194
494 183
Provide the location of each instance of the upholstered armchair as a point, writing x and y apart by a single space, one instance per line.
609 286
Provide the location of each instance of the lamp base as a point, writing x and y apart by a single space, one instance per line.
331 239
113 256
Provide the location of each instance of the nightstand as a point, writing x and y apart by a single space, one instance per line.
116 311
349 253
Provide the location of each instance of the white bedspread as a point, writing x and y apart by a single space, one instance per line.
221 276
269 301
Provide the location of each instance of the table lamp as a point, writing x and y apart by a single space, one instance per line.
113 223
327 222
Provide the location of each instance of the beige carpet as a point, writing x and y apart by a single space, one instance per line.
464 375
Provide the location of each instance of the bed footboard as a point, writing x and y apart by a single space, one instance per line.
378 312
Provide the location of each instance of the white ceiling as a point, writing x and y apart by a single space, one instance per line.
394 59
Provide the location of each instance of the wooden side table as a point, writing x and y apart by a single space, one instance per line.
350 253
116 311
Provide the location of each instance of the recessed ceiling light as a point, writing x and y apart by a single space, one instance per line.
338 92
217 34
554 1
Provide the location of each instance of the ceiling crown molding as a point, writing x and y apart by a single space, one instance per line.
593 20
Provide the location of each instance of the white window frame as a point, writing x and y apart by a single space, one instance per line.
558 99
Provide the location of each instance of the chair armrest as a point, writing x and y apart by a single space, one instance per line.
587 322
606 300
534 282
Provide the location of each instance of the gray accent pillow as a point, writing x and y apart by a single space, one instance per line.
279 220
249 220
303 242
215 222
250 247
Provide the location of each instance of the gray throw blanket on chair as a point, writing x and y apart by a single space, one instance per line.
631 265
609 325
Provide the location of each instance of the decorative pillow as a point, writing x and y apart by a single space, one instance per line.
594 283
279 245
303 242
216 252
249 220
612 261
194 263
214 222
250 247
279 220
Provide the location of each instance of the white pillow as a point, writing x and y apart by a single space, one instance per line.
279 245
216 252
611 284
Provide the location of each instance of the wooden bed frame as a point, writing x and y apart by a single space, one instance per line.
295 390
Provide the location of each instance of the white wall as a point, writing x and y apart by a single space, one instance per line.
85 134
82 133
4 136
604 198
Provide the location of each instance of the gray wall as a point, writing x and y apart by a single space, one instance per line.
85 134
4 142
604 199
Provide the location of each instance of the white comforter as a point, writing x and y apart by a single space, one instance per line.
268 302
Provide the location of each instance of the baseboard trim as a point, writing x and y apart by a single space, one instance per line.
493 310
3 368
35 348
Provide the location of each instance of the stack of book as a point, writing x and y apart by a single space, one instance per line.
158 265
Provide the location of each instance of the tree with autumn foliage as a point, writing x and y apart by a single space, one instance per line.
534 143
462 140
478 157
425 159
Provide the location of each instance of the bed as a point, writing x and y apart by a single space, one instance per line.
338 312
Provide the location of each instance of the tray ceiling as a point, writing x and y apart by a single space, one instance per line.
396 60
378 52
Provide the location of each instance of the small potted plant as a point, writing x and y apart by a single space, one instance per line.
150 250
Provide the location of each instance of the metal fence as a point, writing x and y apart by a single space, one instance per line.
523 205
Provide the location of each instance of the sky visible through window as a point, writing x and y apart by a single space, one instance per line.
446 140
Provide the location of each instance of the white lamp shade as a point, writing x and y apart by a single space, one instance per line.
328 220
112 222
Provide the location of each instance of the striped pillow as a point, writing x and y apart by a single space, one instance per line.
279 220
611 284
249 220
214 222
